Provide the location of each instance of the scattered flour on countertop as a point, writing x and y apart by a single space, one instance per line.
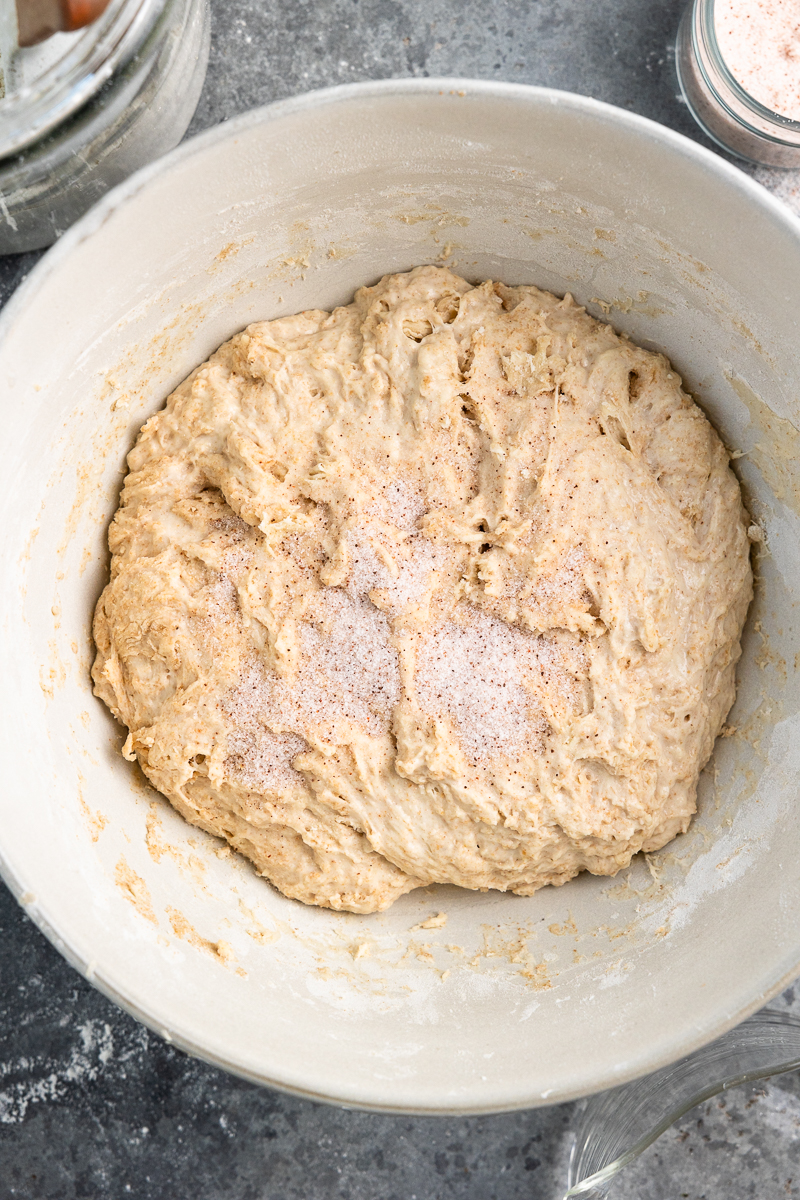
46 1079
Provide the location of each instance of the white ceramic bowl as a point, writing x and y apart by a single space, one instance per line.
516 1001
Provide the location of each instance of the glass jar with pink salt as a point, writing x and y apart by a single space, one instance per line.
739 70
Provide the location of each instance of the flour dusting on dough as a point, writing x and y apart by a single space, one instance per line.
446 585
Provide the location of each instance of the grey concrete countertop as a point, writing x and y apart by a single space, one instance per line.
92 1106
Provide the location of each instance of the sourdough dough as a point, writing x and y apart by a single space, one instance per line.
446 585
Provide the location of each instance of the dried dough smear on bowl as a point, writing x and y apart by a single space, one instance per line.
450 1000
445 586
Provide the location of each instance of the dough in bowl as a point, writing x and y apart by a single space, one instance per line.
446 585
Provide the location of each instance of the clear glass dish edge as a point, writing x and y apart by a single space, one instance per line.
618 1125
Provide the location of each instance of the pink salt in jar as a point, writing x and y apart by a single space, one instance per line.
739 70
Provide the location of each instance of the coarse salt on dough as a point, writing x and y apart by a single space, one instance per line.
446 585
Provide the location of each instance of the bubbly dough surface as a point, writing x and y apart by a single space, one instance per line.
446 585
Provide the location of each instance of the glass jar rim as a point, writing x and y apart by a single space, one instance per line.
34 110
706 12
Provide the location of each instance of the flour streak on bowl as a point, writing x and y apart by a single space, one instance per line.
450 1001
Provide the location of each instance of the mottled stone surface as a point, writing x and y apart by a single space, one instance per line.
92 1106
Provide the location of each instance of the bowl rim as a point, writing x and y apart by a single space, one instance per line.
94 219
100 212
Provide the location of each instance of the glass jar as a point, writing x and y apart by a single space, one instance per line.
615 1127
104 102
729 115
